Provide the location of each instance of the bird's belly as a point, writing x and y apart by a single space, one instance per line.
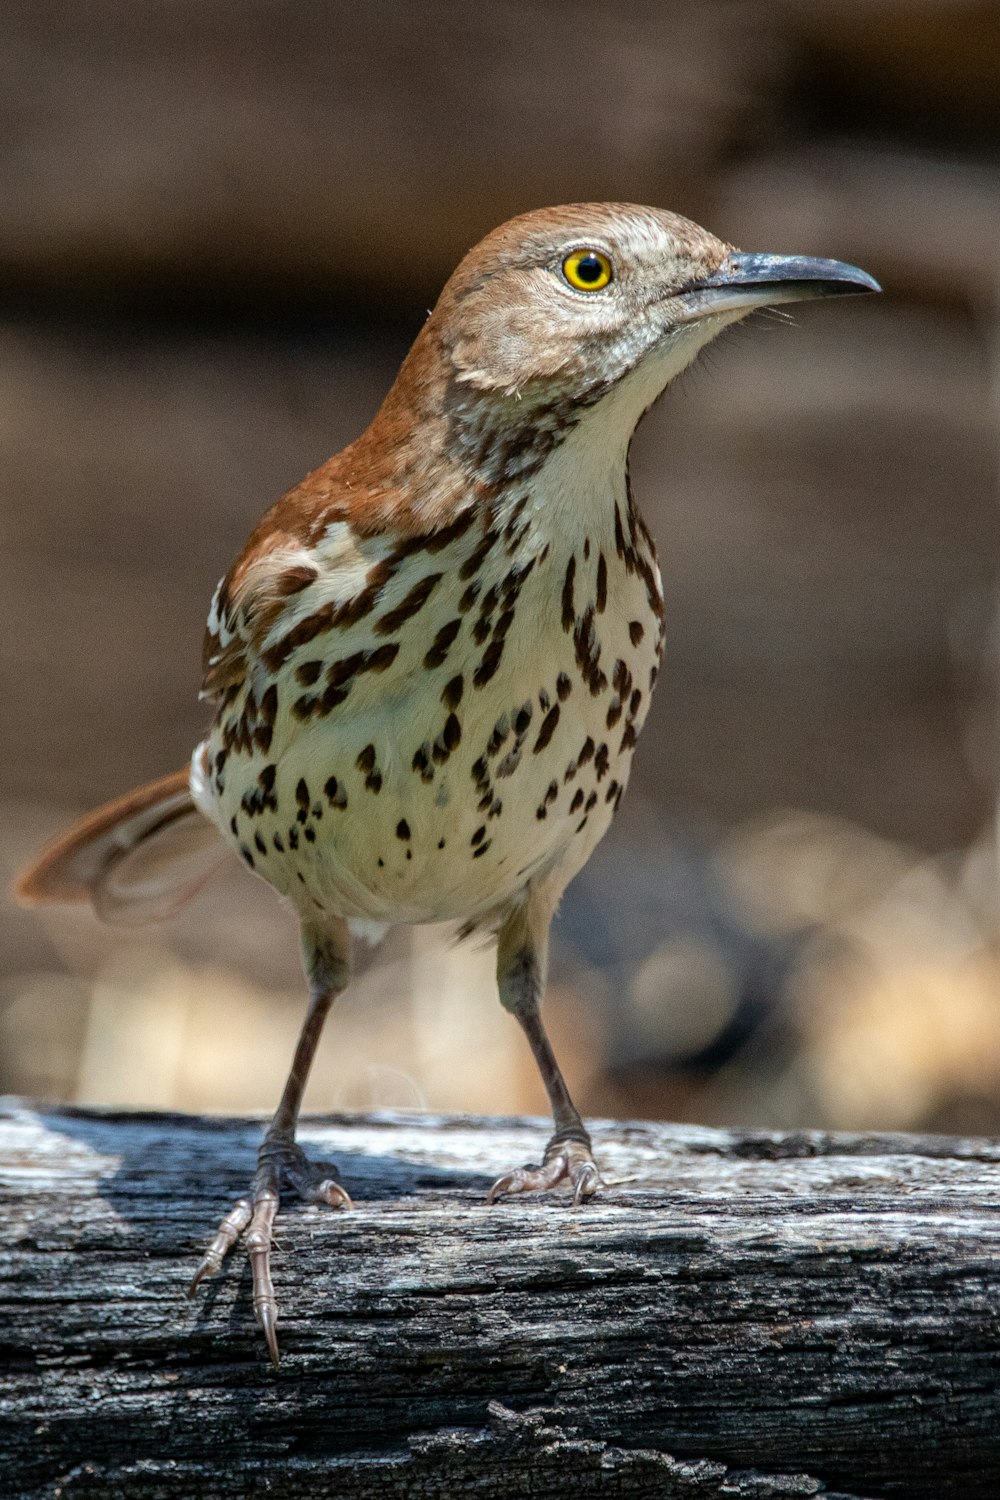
437 792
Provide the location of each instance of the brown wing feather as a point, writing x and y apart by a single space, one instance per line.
136 860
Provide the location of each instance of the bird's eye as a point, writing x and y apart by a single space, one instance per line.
587 270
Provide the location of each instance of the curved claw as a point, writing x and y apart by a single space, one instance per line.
572 1161
267 1317
332 1193
586 1180
281 1164
225 1238
530 1179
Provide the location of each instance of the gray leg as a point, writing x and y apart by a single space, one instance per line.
281 1162
521 967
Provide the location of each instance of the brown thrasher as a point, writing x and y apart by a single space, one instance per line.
432 659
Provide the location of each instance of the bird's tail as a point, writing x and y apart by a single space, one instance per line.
135 860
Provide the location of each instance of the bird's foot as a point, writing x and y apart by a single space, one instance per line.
282 1165
566 1159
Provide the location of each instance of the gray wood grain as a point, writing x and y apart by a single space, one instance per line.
740 1313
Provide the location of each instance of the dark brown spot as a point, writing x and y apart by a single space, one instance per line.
479 835
568 607
476 559
422 762
452 732
586 751
332 697
489 664
621 546
302 793
373 783
564 687
510 762
501 730
522 719
614 713
586 547
382 657
409 605
577 801
232 825
515 579
342 671
293 838
552 792
366 760
503 624
442 641
470 596
451 695
601 762
612 791
590 802
482 849
635 631
308 672
634 703
436 541
629 737
247 855
402 829
547 730
268 711
602 584
310 835
276 841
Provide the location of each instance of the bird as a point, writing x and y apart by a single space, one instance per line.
429 666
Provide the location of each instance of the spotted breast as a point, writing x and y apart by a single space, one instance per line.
440 718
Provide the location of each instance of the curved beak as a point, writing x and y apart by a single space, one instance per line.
743 282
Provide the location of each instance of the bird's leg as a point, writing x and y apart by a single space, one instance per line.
521 967
281 1162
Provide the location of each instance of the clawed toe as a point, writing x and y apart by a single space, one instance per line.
564 1161
282 1164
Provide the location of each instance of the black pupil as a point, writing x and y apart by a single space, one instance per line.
589 268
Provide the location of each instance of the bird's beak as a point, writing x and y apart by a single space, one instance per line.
743 282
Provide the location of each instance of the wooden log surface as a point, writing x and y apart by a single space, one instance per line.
740 1313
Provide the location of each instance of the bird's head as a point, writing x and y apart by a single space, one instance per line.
564 318
577 298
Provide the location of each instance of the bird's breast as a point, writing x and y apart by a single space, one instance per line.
466 730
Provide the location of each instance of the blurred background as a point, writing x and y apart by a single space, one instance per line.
221 227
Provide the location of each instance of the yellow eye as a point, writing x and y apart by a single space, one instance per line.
587 270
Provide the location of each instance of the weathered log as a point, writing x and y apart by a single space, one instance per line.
740 1313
